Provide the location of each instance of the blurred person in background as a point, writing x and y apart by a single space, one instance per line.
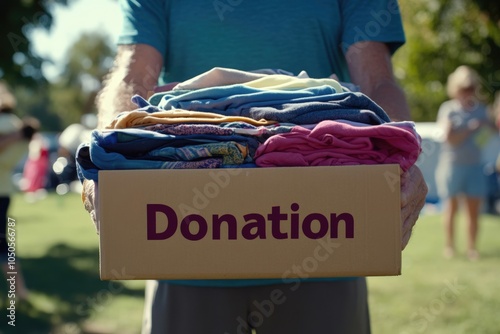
69 140
35 174
15 135
459 174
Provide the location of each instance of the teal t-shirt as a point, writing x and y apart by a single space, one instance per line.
293 35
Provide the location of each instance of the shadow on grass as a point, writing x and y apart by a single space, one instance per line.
69 278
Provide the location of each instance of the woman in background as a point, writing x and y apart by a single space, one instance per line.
459 175
15 135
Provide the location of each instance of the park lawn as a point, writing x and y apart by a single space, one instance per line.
435 295
58 250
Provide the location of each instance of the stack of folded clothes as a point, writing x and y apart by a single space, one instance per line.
226 118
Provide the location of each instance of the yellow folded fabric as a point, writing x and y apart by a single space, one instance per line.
138 118
286 82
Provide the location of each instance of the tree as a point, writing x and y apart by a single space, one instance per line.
62 102
18 63
87 61
56 104
441 35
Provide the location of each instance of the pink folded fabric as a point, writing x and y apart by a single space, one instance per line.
332 143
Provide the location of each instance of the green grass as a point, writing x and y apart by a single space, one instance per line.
58 251
435 295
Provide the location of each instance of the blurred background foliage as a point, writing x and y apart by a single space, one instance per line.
18 63
441 35
61 101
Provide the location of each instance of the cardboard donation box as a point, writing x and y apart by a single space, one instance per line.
250 223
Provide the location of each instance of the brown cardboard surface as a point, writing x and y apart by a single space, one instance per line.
283 220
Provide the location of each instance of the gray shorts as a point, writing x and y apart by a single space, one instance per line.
306 307
454 180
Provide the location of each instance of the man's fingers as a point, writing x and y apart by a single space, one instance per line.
90 200
413 193
413 186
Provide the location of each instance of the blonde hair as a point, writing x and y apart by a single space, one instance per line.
463 77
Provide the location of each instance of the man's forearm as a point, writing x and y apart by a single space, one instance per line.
113 98
389 95
135 71
370 68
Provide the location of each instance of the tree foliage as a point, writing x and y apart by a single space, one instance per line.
18 63
63 101
60 102
441 35
87 61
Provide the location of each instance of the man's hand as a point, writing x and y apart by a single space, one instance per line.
413 193
90 197
370 68
136 71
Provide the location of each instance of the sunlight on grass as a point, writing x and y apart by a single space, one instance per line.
43 302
